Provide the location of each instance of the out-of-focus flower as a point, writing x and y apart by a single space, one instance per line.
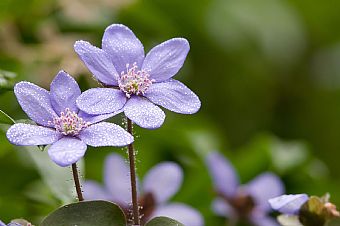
60 122
159 185
309 211
136 82
17 222
248 202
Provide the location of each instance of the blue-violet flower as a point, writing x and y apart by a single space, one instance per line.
134 82
248 202
61 123
159 184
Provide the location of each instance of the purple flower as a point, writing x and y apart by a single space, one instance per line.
10 224
136 82
161 182
60 122
293 205
288 204
247 202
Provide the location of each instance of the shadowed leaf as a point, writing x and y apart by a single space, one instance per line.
163 221
87 213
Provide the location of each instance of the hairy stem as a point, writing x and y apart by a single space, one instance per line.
136 220
77 182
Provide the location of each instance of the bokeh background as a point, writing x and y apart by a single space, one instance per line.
267 73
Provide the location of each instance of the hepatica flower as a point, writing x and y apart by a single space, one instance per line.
248 202
136 82
60 122
160 183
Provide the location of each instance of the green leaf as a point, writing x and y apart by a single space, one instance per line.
163 221
58 179
5 118
334 222
87 213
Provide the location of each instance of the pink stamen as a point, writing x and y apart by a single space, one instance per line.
134 81
69 123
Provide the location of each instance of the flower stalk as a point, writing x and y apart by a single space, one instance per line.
131 151
77 182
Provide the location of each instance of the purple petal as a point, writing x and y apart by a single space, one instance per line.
93 191
122 46
222 208
180 212
264 221
165 59
26 134
64 91
163 181
105 134
144 113
98 62
95 118
264 187
98 101
67 150
174 96
35 101
2 223
288 204
223 174
117 180
13 224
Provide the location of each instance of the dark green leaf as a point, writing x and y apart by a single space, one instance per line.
163 221
87 213
5 118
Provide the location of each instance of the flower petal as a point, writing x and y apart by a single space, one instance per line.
101 101
223 174
67 150
180 212
264 187
122 46
163 181
35 101
95 118
64 91
26 134
93 191
105 134
117 180
174 96
264 221
98 62
222 208
288 204
164 60
144 113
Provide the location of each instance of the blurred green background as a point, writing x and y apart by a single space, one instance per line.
267 73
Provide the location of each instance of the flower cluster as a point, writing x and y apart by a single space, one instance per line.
135 84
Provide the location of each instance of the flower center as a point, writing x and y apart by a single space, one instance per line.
69 123
134 81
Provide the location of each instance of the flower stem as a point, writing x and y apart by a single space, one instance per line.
77 182
136 220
